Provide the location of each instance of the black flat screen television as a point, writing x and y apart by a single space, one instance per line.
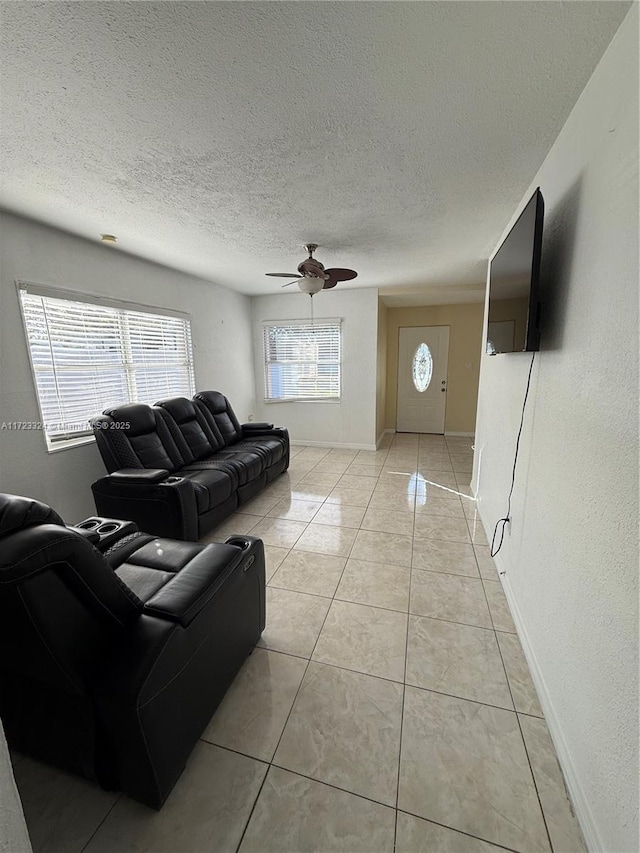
514 278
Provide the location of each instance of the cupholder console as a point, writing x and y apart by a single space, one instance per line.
103 532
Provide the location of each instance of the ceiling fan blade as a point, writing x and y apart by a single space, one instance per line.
290 282
339 274
284 274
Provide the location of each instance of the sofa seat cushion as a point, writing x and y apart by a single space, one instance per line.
152 565
212 487
143 581
249 465
164 555
242 466
272 447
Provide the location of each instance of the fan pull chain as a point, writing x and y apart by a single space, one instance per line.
311 297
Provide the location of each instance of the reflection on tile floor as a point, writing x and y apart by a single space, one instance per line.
388 705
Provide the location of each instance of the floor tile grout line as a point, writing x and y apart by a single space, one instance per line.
411 569
395 681
526 750
524 743
333 598
460 831
253 807
100 823
404 676
304 674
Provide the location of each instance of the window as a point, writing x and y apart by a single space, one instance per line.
302 361
422 369
88 355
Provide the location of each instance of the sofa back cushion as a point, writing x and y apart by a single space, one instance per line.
219 415
135 436
191 432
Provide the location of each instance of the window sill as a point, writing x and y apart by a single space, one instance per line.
56 447
333 400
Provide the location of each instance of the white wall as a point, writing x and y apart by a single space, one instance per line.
571 559
352 421
14 837
221 326
381 368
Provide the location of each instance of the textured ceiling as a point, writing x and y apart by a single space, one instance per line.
219 137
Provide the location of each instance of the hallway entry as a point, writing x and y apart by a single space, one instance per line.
423 354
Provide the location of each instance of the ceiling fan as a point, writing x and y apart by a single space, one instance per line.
312 277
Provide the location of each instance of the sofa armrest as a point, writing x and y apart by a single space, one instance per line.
164 508
192 588
264 429
139 475
256 427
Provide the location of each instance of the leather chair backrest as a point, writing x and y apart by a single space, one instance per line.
18 513
193 436
217 410
61 605
135 436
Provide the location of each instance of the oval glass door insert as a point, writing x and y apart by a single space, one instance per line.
422 367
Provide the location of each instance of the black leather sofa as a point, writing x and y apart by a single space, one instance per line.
116 647
182 466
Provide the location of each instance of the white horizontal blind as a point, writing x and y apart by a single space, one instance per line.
86 357
302 361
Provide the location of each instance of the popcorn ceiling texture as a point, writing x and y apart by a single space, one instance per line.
219 137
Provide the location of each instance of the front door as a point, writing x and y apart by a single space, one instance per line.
423 354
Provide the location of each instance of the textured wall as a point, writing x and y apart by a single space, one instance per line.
381 369
465 322
221 326
571 559
352 421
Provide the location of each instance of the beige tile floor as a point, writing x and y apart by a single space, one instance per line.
388 706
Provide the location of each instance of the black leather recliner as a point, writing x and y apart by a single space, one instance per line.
116 647
181 467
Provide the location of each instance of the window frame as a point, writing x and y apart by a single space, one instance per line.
322 321
52 444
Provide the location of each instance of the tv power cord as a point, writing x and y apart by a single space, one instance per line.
504 521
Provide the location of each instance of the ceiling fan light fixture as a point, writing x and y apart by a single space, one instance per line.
311 284
312 277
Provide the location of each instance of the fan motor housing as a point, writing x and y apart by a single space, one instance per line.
311 267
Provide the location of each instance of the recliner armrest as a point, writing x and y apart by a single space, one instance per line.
264 429
190 590
139 475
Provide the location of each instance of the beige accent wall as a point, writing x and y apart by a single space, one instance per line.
381 370
465 341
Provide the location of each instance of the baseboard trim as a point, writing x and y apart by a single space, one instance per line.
339 444
382 435
459 434
579 800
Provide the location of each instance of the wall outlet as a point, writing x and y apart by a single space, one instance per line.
250 419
